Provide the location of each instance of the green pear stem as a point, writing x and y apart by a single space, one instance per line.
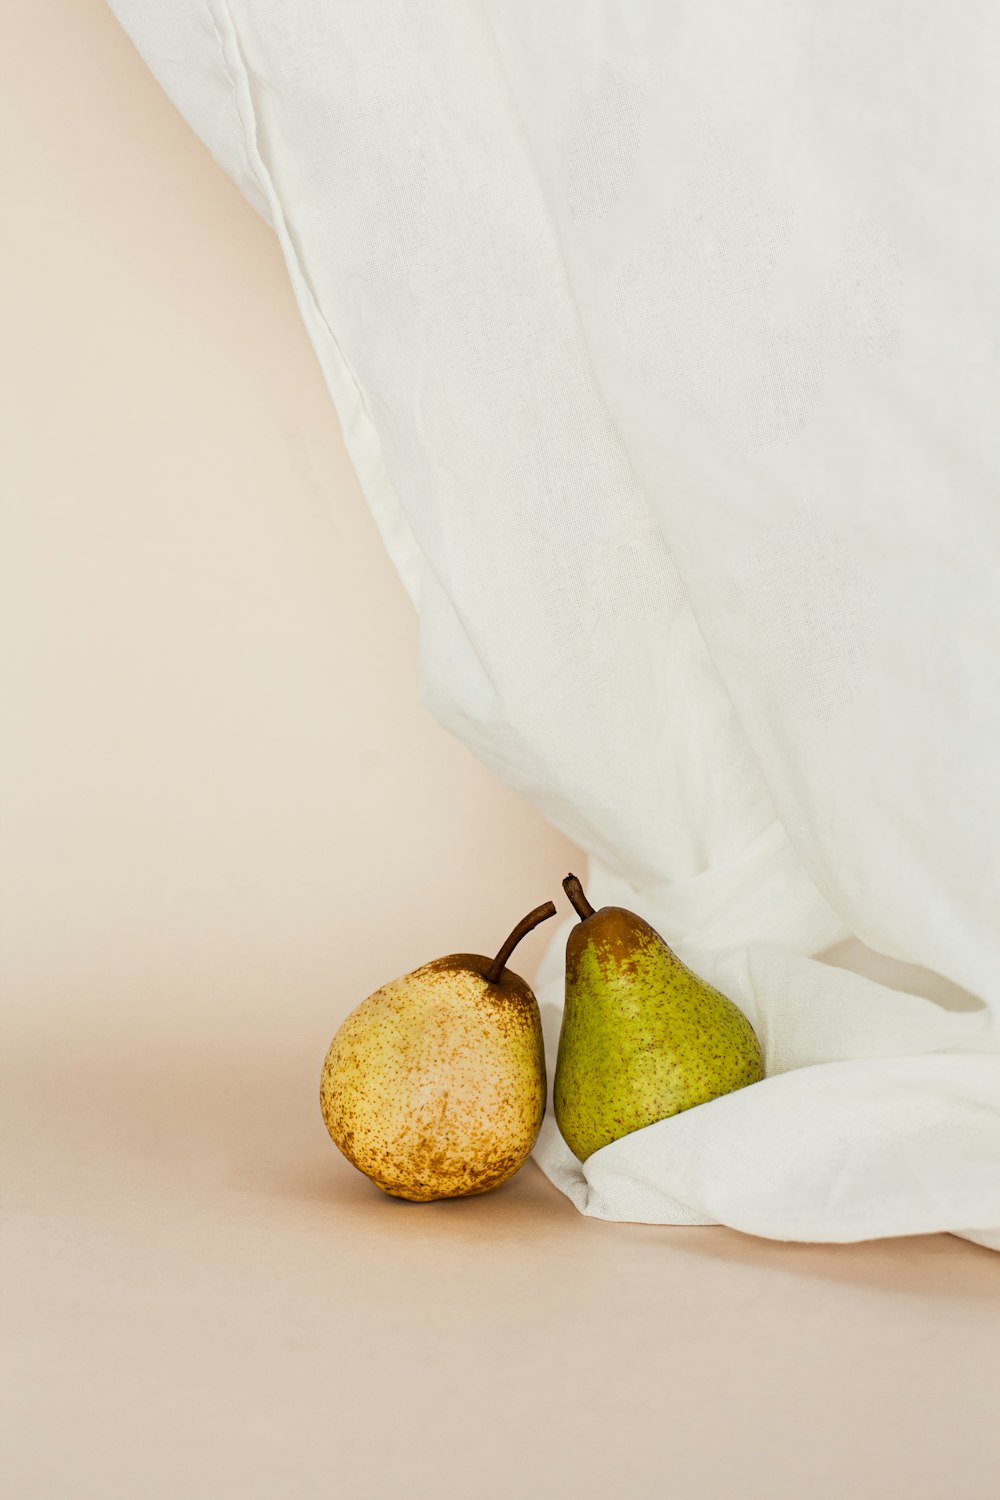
574 891
540 914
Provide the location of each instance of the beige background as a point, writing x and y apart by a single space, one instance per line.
225 818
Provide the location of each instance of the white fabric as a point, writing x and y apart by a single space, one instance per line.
666 342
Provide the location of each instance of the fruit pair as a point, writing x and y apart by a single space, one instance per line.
434 1086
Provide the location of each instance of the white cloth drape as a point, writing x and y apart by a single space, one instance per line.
666 343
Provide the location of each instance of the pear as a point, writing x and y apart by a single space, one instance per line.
642 1036
434 1086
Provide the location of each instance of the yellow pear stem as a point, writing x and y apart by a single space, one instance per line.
574 891
540 914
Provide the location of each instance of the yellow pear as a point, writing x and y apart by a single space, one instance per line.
434 1086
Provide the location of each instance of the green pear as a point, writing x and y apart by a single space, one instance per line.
434 1086
642 1036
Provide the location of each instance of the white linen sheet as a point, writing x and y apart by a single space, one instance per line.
666 343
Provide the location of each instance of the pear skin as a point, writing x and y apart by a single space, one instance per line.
643 1037
434 1086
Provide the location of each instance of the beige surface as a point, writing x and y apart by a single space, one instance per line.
206 1301
226 818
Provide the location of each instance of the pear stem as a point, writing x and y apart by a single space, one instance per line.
540 914
574 891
